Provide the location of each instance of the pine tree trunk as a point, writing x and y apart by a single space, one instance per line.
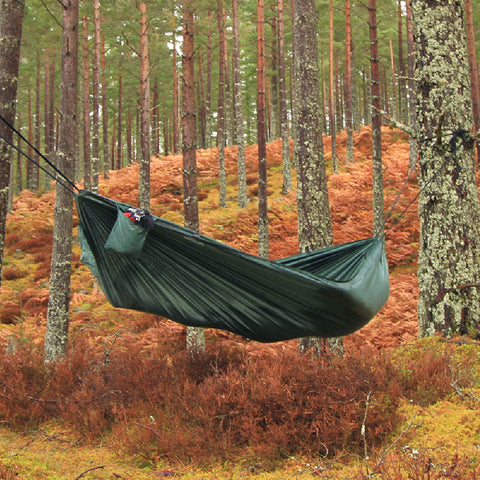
30 165
331 93
378 203
348 81
221 130
11 17
472 60
117 164
87 168
273 67
195 335
56 336
394 83
314 222
449 260
402 98
106 155
208 93
96 97
284 131
36 179
46 116
176 109
144 180
237 93
413 155
263 248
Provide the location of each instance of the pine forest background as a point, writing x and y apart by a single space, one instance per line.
129 400
119 141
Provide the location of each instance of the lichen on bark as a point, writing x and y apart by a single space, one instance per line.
448 266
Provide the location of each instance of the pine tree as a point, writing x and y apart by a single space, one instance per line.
195 335
449 257
11 17
56 336
144 180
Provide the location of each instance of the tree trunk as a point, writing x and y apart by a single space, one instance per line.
402 98
378 204
449 261
208 93
263 249
331 93
87 168
314 222
117 164
176 109
48 136
237 92
395 98
144 180
96 97
106 162
195 335
221 130
286 164
56 336
36 179
472 60
411 88
11 17
348 82
273 123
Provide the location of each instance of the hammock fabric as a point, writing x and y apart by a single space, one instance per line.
197 281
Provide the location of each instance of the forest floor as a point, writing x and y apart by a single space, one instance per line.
432 440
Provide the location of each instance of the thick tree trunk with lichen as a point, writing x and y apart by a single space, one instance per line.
11 16
56 336
449 260
314 222
195 335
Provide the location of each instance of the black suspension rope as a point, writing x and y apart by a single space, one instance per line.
466 140
52 165
8 142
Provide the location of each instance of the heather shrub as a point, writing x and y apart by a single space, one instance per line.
228 402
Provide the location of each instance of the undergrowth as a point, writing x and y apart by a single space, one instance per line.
223 404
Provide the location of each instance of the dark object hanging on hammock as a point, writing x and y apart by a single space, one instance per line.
197 281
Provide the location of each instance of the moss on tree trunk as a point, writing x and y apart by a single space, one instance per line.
448 204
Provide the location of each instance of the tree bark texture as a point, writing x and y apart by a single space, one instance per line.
412 143
284 133
263 250
95 158
331 92
195 335
106 156
11 18
221 130
378 201
56 336
144 180
237 93
449 261
314 223
87 167
472 60
348 81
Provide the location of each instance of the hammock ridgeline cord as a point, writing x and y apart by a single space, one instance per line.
53 166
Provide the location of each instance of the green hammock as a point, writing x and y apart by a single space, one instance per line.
197 281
